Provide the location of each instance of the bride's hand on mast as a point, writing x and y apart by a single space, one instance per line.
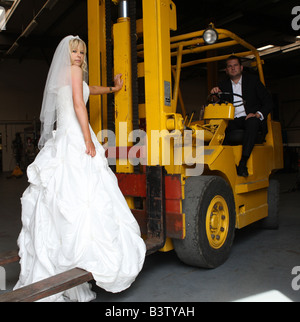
118 82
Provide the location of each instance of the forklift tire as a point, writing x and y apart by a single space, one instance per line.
209 210
272 221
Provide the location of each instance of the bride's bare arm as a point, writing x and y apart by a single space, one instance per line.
80 109
100 90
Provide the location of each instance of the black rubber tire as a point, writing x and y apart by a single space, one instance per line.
272 221
195 249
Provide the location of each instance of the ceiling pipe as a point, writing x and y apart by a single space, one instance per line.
31 26
50 4
12 10
12 49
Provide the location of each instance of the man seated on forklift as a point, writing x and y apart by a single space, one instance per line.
251 114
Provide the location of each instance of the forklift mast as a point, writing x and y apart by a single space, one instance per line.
141 53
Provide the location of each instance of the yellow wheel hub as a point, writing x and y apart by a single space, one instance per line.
217 222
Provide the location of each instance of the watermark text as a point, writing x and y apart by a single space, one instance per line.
296 19
2 279
296 279
157 147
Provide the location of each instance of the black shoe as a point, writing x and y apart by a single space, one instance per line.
242 171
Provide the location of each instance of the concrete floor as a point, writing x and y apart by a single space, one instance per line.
259 268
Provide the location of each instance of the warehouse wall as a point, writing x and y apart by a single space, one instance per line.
21 89
288 97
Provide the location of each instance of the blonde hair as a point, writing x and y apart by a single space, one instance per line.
74 44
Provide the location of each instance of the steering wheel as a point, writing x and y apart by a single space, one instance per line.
222 100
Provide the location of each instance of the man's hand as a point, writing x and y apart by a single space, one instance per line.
215 90
257 115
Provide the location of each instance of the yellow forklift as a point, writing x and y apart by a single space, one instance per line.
178 177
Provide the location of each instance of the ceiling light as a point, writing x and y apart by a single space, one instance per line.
265 47
2 18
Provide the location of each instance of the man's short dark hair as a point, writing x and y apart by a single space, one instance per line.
234 57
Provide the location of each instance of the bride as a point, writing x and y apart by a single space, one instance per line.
73 213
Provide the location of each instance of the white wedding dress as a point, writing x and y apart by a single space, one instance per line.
74 214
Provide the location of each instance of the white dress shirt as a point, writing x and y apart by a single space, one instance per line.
237 89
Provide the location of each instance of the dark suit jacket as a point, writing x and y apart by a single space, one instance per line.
255 95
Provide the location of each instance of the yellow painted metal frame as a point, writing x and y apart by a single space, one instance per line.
250 194
159 110
219 111
97 62
179 42
159 16
123 99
